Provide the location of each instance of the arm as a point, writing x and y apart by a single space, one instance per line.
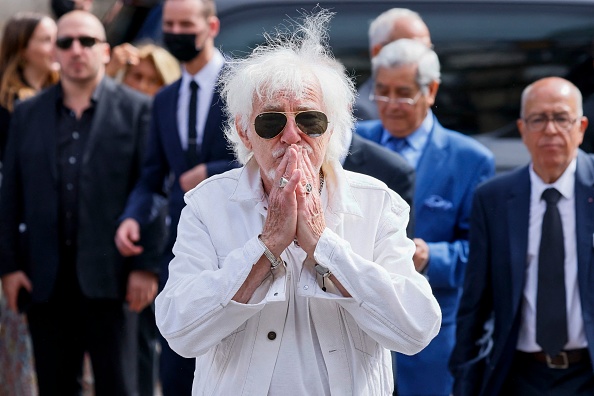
476 305
448 259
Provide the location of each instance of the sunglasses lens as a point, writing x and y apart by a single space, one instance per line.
64 42
86 41
313 123
268 125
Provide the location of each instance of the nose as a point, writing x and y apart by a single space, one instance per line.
291 134
551 126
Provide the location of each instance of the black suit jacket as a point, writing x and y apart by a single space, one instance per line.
489 317
109 169
374 160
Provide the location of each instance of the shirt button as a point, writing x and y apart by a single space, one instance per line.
75 135
72 160
69 186
305 287
271 335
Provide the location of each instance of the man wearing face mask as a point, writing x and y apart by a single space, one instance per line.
186 141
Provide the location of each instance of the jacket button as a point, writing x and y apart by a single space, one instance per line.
271 335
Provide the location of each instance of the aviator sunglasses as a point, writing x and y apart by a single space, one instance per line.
85 41
311 122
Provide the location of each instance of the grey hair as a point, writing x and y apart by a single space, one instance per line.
381 27
406 52
575 90
287 64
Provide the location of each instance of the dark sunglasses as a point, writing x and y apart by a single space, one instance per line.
85 41
311 122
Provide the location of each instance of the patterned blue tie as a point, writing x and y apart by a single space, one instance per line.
396 144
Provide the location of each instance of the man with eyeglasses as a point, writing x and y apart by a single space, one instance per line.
186 146
448 165
73 156
292 276
531 261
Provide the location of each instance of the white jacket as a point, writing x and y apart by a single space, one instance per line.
365 247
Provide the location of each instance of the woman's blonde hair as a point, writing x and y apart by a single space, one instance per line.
167 66
18 31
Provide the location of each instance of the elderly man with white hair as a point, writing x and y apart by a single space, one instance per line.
292 275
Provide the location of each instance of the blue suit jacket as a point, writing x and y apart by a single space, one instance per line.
495 279
450 168
165 158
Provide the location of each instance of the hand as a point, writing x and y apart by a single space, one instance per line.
11 284
280 226
191 178
310 215
421 256
127 235
141 290
121 56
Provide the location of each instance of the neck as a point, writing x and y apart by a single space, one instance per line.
35 78
196 64
77 94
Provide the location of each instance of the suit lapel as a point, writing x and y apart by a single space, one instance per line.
170 131
212 127
434 154
518 211
584 211
48 118
101 114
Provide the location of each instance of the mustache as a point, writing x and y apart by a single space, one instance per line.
280 152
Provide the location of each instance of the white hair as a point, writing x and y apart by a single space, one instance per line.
287 64
406 52
381 27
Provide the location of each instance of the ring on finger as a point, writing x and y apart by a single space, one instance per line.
283 182
308 188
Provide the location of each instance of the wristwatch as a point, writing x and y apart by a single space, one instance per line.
274 262
322 271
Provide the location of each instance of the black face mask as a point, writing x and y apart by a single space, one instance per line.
182 46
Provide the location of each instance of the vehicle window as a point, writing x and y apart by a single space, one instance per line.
488 51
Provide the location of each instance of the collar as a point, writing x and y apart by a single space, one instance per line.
208 75
419 137
94 96
564 184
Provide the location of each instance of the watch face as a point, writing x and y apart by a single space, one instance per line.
320 269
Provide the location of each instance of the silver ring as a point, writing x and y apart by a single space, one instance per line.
283 182
308 188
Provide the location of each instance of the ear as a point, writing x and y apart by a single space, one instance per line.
214 25
430 97
106 53
243 134
376 49
583 125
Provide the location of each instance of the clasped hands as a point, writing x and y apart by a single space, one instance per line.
294 204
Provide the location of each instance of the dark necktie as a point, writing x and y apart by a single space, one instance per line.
192 133
551 315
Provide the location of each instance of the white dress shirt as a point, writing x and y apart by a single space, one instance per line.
292 337
566 205
206 79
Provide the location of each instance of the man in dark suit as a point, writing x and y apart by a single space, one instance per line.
448 167
511 272
73 156
374 160
186 143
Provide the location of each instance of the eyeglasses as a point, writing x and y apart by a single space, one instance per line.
311 122
539 122
398 101
85 41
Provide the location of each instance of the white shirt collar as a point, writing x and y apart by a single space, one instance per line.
564 184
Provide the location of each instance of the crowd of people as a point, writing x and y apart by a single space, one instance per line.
208 225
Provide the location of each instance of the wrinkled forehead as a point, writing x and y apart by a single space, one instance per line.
305 96
551 97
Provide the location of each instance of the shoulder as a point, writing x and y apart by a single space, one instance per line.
368 129
43 98
464 145
169 91
501 184
381 154
371 190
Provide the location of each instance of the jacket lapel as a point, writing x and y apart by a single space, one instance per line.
101 114
584 213
518 210
48 117
433 156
